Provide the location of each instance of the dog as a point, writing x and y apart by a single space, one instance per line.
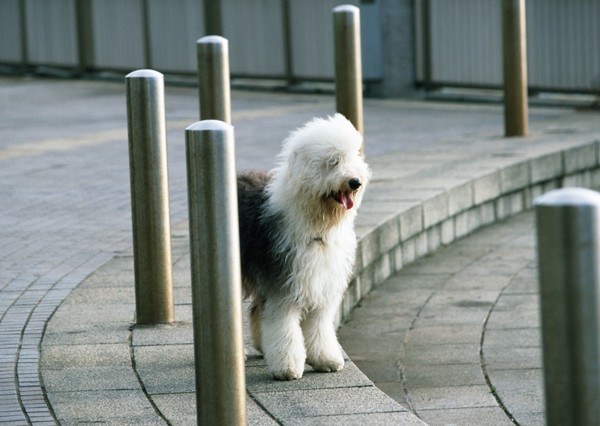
298 244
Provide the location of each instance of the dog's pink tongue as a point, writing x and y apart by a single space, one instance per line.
347 200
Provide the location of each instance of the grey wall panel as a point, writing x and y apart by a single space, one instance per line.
118 33
370 34
11 49
175 25
563 43
463 42
312 37
52 32
466 42
255 32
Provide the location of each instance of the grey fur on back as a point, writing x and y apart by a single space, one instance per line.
263 270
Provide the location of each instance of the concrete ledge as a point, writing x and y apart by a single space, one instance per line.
429 218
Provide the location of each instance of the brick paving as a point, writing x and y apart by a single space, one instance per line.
64 213
64 186
51 240
64 191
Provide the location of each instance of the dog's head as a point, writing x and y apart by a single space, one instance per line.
321 169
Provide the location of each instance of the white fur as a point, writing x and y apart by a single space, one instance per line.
316 161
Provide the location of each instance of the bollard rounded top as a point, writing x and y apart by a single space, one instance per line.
346 8
569 197
144 73
212 39
209 125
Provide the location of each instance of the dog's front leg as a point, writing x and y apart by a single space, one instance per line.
282 340
323 351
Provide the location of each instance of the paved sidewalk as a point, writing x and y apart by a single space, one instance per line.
67 350
455 336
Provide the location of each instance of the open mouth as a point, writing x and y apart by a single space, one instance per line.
345 198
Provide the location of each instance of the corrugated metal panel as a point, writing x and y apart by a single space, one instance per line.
11 49
563 43
370 34
312 37
175 26
52 32
466 42
464 38
256 37
118 34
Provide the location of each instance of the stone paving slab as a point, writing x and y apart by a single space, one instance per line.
441 172
457 371
157 362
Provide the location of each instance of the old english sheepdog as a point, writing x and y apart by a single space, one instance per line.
298 244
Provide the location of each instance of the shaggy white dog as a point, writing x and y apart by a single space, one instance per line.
298 244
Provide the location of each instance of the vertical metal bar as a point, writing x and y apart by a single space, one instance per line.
213 17
348 64
514 42
85 35
287 42
146 28
216 274
568 226
213 78
149 197
427 47
24 34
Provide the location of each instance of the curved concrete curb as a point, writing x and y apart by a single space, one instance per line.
96 367
403 219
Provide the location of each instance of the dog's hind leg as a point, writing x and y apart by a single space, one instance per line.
323 351
256 314
282 340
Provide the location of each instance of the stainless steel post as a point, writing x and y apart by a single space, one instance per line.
216 274
348 64
213 78
514 47
568 226
149 197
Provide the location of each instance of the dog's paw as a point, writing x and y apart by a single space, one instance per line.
328 365
287 366
288 374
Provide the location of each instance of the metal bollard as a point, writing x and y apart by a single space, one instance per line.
514 47
216 274
213 78
568 226
149 197
348 64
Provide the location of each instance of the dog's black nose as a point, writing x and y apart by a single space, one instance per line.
354 184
